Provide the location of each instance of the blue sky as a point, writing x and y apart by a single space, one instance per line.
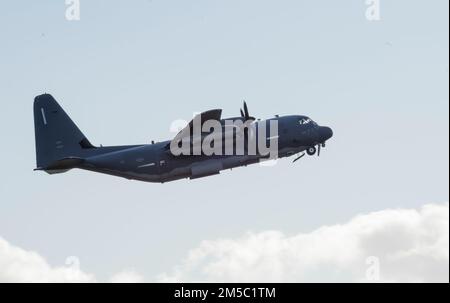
125 71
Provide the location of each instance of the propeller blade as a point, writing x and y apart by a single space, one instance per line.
318 151
246 111
242 114
298 158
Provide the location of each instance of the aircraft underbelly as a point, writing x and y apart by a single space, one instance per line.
206 168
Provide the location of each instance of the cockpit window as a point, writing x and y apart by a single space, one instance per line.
307 121
304 121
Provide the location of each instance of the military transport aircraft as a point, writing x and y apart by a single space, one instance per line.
61 146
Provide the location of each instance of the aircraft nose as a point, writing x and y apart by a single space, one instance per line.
326 133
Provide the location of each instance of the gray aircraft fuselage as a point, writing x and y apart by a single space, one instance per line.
61 146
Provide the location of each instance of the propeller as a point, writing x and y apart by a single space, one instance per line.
247 118
245 114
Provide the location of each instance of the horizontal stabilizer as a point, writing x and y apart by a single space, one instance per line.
62 165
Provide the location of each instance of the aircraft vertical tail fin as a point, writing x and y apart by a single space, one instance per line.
57 137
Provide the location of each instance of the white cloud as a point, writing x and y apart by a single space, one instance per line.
19 265
410 245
